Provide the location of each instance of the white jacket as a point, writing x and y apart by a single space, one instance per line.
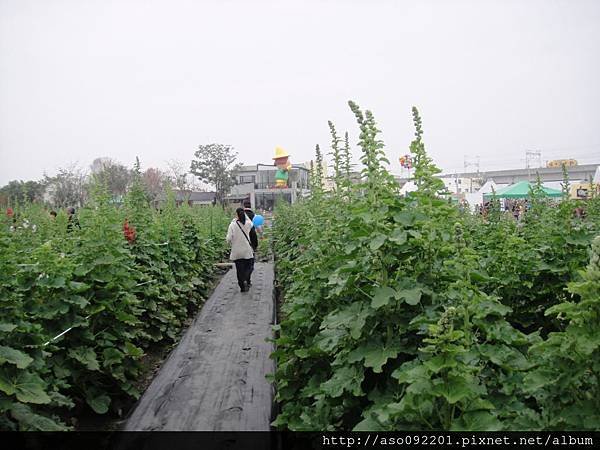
240 247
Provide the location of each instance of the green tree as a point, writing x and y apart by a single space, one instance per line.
114 175
214 165
154 181
69 187
16 192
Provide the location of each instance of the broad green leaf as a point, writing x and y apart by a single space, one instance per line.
538 379
132 350
416 234
377 241
30 388
347 379
329 338
60 399
112 356
104 260
477 421
78 300
86 356
368 424
406 218
356 326
440 362
564 307
478 276
490 307
126 318
6 383
82 270
302 353
501 331
420 387
399 236
30 421
375 356
479 404
341 317
78 287
98 403
16 357
505 356
131 390
456 388
56 282
410 372
410 296
7 327
382 296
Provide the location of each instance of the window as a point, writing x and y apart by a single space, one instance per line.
265 179
267 200
247 179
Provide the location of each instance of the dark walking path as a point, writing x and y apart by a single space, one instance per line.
215 378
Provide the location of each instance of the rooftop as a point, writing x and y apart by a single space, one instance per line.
509 176
194 196
522 172
261 166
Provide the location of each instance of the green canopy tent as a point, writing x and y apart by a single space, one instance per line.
521 190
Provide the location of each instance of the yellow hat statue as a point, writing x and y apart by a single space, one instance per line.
282 161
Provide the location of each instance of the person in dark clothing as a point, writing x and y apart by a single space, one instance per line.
72 220
253 235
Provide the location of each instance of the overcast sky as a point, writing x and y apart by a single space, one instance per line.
81 79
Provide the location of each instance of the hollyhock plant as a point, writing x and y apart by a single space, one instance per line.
129 232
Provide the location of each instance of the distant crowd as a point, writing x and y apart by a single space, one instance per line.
16 221
517 208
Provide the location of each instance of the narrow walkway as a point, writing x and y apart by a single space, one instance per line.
215 379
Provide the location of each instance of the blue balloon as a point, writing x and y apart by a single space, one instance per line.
258 220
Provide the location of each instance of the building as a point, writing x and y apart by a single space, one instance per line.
470 182
471 186
195 198
257 183
462 185
577 173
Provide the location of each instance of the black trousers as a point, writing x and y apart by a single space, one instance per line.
243 267
251 268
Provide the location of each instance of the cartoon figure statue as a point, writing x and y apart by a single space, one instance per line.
282 161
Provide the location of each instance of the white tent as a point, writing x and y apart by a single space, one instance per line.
597 175
474 199
487 187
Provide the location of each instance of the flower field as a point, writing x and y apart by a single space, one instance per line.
405 313
121 282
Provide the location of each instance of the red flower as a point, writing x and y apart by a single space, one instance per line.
129 232
9 212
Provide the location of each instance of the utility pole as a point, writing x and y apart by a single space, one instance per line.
532 156
471 162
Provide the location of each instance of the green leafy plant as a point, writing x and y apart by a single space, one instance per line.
408 313
80 307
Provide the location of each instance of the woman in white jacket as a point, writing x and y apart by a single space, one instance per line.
238 236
